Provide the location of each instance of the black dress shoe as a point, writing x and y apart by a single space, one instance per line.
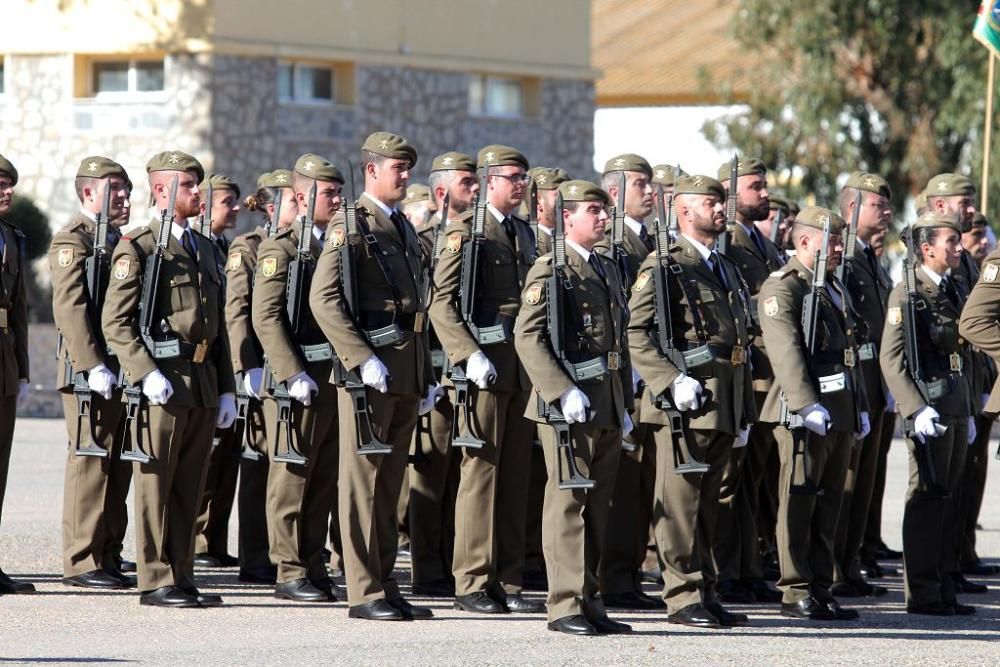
206 560
376 610
605 626
843 589
963 585
635 600
695 615
727 619
840 613
10 586
409 611
573 625
168 596
762 592
439 588
652 577
330 588
962 609
734 592
260 575
807 608
125 565
867 589
873 570
518 604
980 569
300 590
885 553
204 599
931 609
127 581
94 579
480 602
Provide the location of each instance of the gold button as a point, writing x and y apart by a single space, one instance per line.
961 342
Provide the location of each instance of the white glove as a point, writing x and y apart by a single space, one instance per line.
866 427
301 387
925 423
890 402
157 388
627 424
479 369
972 430
253 379
227 410
742 438
101 381
375 374
815 418
428 402
573 404
686 392
635 381
22 394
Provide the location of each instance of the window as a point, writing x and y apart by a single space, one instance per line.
299 82
495 96
126 76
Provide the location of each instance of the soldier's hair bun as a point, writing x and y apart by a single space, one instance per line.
251 203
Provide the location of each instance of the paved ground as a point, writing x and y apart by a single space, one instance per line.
62 625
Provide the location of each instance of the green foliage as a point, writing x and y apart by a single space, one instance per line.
33 223
891 86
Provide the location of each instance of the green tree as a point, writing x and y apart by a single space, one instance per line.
891 86
34 224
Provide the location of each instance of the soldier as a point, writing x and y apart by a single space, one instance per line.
833 411
273 189
13 342
419 206
938 409
776 204
708 316
632 499
547 181
869 286
212 525
95 514
491 508
575 520
434 471
736 549
300 493
398 378
188 390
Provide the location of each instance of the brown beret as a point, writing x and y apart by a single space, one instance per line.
7 167
699 185
778 203
935 219
279 178
628 162
453 161
548 178
817 216
583 191
749 166
175 161
220 182
666 174
319 168
862 180
97 166
391 146
979 220
497 155
416 192
944 185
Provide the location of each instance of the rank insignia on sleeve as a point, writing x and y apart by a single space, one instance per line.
235 259
895 316
337 238
65 257
269 266
454 243
771 306
121 268
641 281
990 272
533 295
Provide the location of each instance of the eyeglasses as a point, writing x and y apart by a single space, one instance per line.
516 179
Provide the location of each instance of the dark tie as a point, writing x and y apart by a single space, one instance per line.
112 238
187 240
644 237
948 288
756 239
872 260
595 264
399 222
508 227
223 244
3 242
716 263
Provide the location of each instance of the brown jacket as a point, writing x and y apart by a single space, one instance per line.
980 323
13 305
241 265
869 289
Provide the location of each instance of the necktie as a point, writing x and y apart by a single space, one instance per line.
187 240
948 288
595 264
398 222
872 261
644 237
756 239
223 244
716 263
508 227
113 238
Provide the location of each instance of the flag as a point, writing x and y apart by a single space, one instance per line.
987 28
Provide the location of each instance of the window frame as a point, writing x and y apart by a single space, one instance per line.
132 92
295 67
482 110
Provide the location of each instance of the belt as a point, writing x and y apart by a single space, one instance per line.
174 348
847 357
829 384
736 355
868 352
317 352
407 322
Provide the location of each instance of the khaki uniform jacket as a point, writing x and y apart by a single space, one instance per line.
636 250
77 320
13 336
755 268
725 316
984 369
980 323
869 292
190 301
270 315
426 231
543 242
937 337
408 361
594 320
503 270
796 373
241 265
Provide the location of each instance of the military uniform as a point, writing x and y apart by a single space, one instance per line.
95 513
807 523
189 306
13 349
931 524
492 495
706 311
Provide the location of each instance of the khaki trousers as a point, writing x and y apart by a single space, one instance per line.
807 524
251 500
491 505
300 498
168 493
858 486
534 557
575 521
685 509
212 525
95 490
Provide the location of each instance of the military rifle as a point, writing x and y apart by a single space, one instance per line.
846 266
776 226
621 255
722 244
205 226
533 211
929 391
